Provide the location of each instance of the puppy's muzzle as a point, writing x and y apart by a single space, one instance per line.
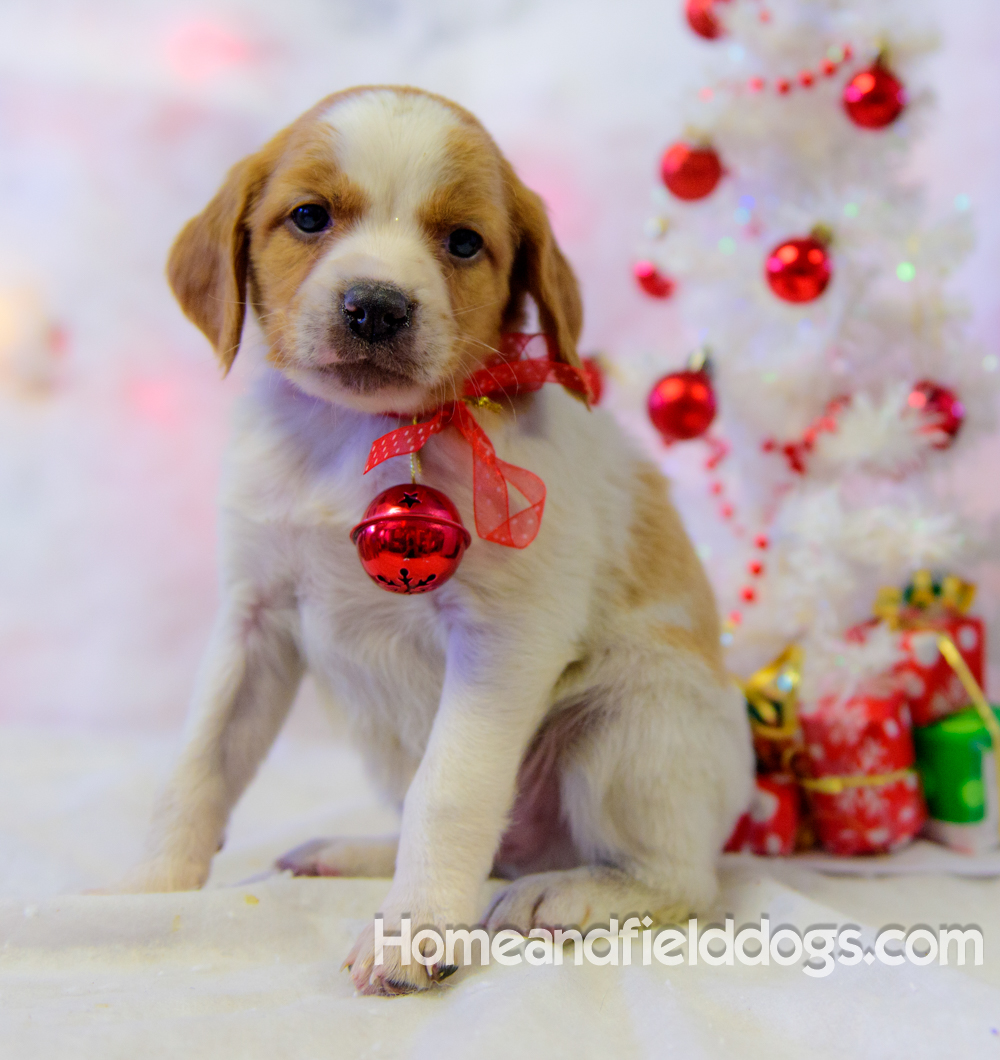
376 312
373 336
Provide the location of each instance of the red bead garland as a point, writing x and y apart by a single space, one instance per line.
806 78
689 172
796 452
682 405
748 593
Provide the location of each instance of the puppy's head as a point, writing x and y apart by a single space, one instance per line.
384 243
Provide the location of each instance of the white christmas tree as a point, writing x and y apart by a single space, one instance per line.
839 449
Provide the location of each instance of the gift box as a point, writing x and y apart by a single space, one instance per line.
864 792
922 611
869 820
770 825
932 688
956 760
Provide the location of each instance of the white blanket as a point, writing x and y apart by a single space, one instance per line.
252 969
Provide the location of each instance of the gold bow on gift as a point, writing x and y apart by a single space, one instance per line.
772 695
922 597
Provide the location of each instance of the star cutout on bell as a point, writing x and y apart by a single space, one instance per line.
409 499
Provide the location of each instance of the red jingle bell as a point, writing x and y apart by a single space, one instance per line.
941 408
651 280
875 97
411 539
682 405
798 270
690 173
701 17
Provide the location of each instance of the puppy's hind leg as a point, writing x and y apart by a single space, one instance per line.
368 856
650 791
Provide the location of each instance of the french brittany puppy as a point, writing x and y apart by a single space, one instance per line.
559 714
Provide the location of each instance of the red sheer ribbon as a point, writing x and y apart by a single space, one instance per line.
509 375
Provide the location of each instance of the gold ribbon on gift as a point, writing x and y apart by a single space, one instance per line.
835 785
954 659
772 693
906 607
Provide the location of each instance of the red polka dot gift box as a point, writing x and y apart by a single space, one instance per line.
864 791
932 688
927 610
770 824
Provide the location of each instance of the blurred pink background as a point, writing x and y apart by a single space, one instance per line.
118 118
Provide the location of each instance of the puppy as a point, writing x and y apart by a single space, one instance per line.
559 714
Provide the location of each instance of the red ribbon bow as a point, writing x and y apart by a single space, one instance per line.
508 376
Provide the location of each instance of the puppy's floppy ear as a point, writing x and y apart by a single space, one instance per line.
209 260
540 270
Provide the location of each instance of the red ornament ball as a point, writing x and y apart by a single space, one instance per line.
682 405
651 280
411 539
941 409
874 98
689 172
701 17
798 270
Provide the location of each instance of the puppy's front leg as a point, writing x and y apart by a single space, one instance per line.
495 693
248 680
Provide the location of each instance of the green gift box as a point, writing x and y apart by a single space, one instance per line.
955 759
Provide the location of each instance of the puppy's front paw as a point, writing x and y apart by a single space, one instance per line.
582 897
392 977
544 899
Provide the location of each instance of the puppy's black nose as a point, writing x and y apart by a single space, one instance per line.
376 311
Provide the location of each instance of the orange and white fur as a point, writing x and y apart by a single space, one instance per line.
580 677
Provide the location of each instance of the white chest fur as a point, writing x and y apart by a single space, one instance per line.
294 487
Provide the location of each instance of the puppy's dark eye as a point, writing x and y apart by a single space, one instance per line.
464 243
310 218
